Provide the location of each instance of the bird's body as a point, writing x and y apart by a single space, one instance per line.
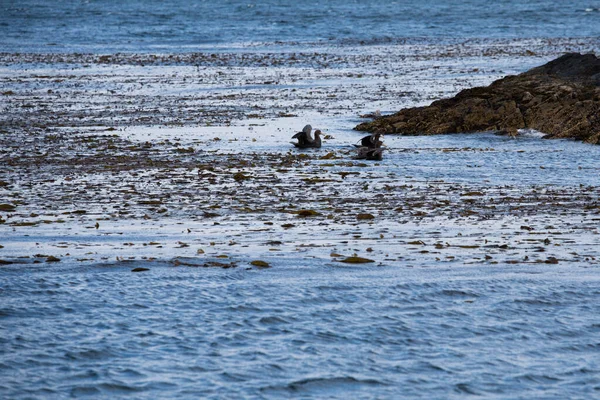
365 153
370 141
372 152
305 141
304 144
303 136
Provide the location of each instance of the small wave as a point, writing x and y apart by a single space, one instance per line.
536 378
583 348
329 336
119 388
234 377
458 293
5 367
5 312
89 374
89 354
321 385
580 371
161 385
272 320
426 365
85 391
537 302
201 369
344 380
137 305
531 133
242 308
131 373
465 388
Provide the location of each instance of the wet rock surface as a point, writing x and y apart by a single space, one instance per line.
560 99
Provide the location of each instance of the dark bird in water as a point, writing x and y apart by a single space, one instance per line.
370 153
370 141
305 141
303 136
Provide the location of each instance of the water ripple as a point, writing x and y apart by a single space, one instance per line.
350 332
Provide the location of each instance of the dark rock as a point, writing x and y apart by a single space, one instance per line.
560 99
260 264
7 207
364 216
140 269
356 260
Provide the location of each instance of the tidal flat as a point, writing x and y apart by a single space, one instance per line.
197 145
151 186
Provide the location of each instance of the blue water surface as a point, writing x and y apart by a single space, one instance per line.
136 25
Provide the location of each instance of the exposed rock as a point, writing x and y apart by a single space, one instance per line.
364 216
560 99
7 207
260 264
356 260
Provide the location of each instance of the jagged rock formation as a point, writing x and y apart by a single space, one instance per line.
560 99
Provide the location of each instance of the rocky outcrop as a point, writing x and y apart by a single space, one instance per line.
560 99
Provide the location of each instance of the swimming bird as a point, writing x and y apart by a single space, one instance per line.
303 136
370 141
305 141
316 143
370 153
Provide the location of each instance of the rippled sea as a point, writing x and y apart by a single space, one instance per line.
139 25
305 331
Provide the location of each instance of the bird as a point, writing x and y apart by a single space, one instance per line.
304 136
370 141
316 143
305 141
370 153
